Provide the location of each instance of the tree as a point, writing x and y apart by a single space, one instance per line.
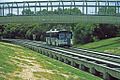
75 11
103 31
10 14
1 30
44 12
66 11
58 11
38 30
83 33
107 11
27 12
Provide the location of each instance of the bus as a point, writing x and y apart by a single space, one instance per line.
59 38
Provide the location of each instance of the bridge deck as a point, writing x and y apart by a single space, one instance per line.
60 19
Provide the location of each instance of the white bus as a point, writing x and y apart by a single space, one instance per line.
59 38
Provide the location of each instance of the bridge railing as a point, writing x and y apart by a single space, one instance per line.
91 7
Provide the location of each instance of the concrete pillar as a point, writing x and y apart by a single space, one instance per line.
65 61
82 67
51 55
39 50
79 66
32 47
1 37
106 76
42 52
72 63
59 58
46 53
55 57
36 49
92 70
62 59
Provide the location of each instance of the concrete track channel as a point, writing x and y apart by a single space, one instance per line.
100 55
106 66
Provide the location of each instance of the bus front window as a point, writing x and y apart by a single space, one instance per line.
61 36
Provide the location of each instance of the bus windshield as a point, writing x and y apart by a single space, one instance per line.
65 35
68 35
61 35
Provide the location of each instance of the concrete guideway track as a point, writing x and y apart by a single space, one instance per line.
100 55
103 56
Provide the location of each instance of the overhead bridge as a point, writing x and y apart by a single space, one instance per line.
60 19
11 12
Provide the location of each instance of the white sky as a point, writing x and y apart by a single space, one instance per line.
19 0
35 0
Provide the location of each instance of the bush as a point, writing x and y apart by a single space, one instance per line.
103 31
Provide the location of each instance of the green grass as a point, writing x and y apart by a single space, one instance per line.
111 45
16 61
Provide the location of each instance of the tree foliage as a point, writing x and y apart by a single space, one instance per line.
27 12
103 31
83 33
38 31
10 14
1 30
59 11
107 11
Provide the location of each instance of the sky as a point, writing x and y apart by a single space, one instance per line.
19 0
33 0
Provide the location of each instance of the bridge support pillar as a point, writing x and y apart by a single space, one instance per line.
106 76
59 58
92 70
72 63
80 66
55 57
50 55
65 60
1 37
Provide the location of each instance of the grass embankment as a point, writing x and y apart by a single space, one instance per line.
19 63
111 45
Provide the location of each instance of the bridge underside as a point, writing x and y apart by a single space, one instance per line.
60 19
